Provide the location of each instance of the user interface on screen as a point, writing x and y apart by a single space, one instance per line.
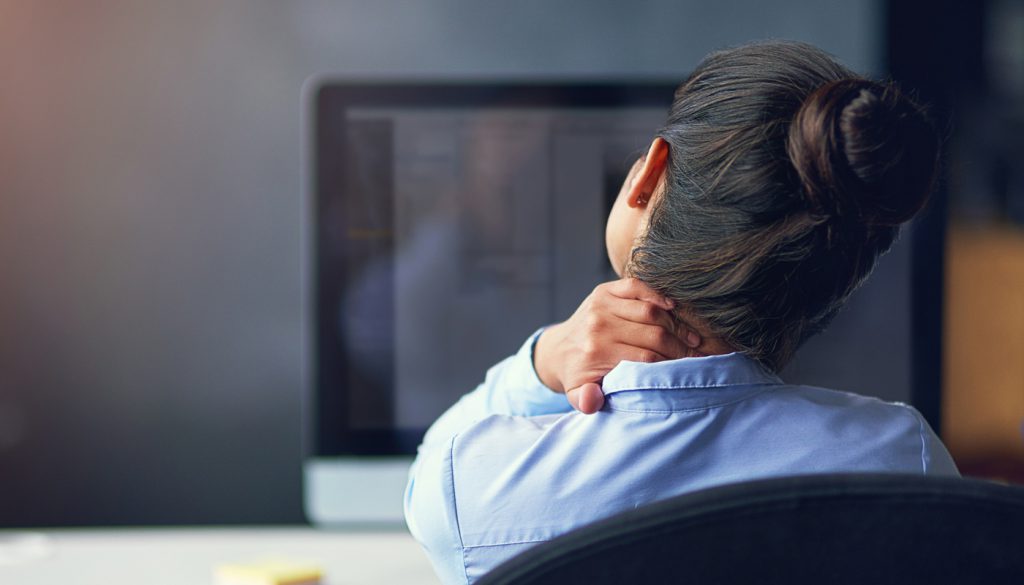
464 231
449 235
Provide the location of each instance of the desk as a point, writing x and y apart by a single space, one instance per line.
188 556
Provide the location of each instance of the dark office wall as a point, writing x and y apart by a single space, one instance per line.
150 225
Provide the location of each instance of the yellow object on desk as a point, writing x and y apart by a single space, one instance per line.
268 573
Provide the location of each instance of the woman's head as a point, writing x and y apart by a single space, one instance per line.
778 180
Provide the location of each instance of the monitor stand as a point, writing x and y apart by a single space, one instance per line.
345 491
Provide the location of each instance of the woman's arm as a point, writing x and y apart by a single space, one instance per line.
619 320
622 320
511 387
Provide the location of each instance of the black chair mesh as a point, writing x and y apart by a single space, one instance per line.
828 529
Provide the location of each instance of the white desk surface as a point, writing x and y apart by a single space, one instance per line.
186 556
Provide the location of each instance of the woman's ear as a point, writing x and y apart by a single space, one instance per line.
643 187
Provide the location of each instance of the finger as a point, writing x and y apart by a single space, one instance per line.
632 288
632 353
587 398
691 338
654 338
650 313
685 328
647 313
642 312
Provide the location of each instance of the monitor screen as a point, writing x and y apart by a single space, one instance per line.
453 221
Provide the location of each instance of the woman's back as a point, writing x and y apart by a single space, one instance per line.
508 481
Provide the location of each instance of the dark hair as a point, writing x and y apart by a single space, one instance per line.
788 176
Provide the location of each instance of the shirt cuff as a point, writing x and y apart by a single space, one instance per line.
533 396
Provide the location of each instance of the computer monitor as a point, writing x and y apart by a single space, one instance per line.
446 222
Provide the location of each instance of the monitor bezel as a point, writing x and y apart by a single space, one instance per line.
327 431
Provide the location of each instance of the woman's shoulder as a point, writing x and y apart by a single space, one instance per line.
848 418
829 398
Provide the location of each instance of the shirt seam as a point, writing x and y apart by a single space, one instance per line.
493 544
694 409
455 506
924 446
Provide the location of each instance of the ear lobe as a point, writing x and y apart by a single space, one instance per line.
652 168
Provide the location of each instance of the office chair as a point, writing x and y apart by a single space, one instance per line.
827 529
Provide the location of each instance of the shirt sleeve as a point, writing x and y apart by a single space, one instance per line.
511 387
430 512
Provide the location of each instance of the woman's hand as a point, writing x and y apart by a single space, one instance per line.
620 320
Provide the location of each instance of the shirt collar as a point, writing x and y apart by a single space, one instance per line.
685 383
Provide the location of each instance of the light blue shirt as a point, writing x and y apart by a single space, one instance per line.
511 464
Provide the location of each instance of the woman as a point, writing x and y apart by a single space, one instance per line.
778 180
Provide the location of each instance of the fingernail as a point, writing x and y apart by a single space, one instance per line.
692 339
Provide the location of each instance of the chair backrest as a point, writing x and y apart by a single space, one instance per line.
827 529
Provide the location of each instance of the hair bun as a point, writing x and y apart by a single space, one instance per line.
864 152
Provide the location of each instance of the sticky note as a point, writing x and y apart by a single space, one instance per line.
268 573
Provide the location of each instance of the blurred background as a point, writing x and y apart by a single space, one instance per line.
150 334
